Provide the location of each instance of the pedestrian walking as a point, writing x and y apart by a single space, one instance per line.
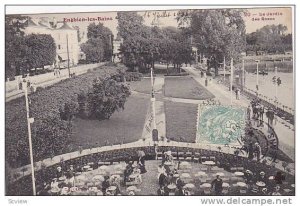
249 112
217 184
261 113
257 151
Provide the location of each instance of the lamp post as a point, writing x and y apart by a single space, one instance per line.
224 69
29 121
68 55
257 61
231 79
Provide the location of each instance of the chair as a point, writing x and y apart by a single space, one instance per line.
189 158
196 159
203 159
212 158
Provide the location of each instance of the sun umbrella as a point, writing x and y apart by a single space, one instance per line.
103 167
141 153
185 175
225 184
118 167
185 164
189 186
132 188
99 178
206 185
99 193
81 178
221 174
200 173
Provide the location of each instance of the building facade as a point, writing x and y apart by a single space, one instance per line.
65 38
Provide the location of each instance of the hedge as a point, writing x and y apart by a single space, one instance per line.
50 134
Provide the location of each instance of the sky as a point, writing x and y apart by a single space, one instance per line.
254 18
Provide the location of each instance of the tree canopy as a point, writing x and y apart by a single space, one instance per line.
216 33
99 44
143 45
270 38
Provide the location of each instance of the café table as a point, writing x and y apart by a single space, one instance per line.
209 164
239 174
260 184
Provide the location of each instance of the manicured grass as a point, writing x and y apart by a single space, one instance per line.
143 86
181 121
123 127
185 87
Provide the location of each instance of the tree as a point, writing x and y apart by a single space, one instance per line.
15 47
41 50
93 50
106 97
216 33
100 32
270 38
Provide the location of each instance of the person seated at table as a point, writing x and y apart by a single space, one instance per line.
59 172
105 184
141 164
162 179
128 171
277 191
54 184
169 157
163 191
70 172
248 175
115 182
279 177
179 183
180 191
217 185
170 178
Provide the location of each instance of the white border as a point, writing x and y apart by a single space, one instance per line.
146 200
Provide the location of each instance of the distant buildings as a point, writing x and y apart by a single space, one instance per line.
64 35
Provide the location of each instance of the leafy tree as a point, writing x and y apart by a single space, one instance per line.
100 32
93 50
217 33
41 50
130 24
270 38
106 97
15 47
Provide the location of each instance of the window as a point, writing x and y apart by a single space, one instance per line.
58 46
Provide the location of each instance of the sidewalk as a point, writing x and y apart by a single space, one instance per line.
285 134
44 80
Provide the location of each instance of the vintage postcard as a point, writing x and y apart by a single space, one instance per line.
183 102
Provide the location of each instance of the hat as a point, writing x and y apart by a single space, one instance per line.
264 189
169 152
58 168
248 171
262 173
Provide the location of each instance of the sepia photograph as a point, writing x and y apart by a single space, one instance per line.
150 102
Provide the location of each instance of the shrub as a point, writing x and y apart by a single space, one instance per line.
50 133
133 76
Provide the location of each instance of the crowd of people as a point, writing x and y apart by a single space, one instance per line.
169 178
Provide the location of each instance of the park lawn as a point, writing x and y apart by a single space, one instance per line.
143 86
185 87
123 127
181 121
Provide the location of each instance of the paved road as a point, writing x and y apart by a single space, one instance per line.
44 80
